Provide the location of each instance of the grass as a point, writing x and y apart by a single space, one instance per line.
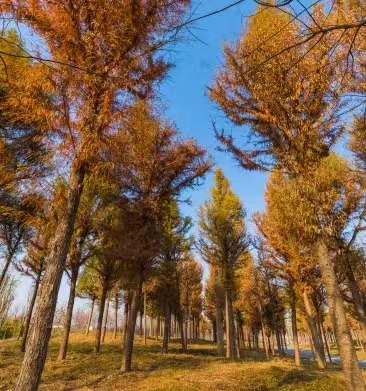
199 370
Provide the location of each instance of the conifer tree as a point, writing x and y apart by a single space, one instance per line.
223 243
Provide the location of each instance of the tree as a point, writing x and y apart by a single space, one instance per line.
292 105
81 249
223 243
112 49
325 201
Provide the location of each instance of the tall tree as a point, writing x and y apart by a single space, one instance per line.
105 53
223 243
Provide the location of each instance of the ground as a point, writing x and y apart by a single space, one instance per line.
199 370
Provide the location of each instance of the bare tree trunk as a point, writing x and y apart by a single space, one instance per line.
326 342
90 316
358 301
157 328
100 320
8 260
68 318
126 312
314 332
105 320
115 316
294 327
128 349
30 311
145 324
182 336
350 365
219 320
37 346
166 329
230 351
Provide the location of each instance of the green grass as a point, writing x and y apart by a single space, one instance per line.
199 370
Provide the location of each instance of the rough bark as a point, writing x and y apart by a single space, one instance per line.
128 348
90 316
68 318
30 311
98 333
347 352
314 332
36 352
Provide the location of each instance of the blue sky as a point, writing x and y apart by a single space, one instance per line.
184 94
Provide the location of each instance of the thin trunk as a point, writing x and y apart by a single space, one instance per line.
314 332
126 312
128 348
166 329
100 320
230 347
8 260
145 324
157 333
358 301
182 336
105 321
295 336
115 316
219 321
36 352
326 342
141 321
30 311
265 342
90 316
68 318
350 365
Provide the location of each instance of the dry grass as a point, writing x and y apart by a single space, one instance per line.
199 370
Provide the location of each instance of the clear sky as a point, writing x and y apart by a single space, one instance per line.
185 95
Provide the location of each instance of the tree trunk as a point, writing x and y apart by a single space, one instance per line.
126 312
100 320
30 311
326 342
358 301
230 347
314 332
219 320
145 324
90 317
36 352
128 349
182 336
350 365
157 333
115 316
214 331
68 317
166 329
295 336
8 260
105 321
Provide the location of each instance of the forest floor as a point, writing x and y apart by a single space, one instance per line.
199 370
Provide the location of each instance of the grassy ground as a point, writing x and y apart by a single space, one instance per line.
199 370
